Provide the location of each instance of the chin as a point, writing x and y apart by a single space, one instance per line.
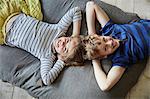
117 45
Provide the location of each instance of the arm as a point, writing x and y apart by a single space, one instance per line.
73 15
49 73
94 11
106 82
76 28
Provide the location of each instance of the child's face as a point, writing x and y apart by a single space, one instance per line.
107 45
65 45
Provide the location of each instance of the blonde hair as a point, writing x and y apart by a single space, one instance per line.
91 43
86 49
75 57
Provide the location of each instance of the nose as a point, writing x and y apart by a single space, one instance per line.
62 42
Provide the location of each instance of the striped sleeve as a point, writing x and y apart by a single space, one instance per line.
50 72
72 15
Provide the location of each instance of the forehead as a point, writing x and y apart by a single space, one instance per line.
63 37
95 37
99 37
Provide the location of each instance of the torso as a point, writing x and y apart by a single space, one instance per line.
31 35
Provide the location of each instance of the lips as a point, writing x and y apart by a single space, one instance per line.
113 43
57 42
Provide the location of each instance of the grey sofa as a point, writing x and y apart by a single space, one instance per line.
21 69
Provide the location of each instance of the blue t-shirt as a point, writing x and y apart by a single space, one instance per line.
135 41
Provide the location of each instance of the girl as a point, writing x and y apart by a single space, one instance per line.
45 41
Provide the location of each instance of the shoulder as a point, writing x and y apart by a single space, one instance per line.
119 58
108 28
48 57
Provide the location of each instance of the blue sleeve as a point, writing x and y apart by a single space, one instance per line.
107 29
121 61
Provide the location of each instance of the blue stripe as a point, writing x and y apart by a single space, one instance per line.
26 33
44 34
47 39
142 38
23 26
17 26
39 40
28 36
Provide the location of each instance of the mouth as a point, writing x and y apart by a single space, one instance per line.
58 42
114 43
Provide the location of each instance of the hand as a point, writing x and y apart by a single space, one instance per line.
61 58
96 62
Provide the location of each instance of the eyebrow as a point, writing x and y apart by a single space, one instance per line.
66 50
103 39
105 47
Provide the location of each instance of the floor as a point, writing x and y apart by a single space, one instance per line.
7 91
141 7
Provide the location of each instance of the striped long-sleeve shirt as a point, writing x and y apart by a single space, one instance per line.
37 37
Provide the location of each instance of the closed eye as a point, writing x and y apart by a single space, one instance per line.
105 49
99 43
68 40
104 39
65 50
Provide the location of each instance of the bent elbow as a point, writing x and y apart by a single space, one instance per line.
46 82
105 88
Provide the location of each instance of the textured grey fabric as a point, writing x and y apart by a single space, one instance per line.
22 69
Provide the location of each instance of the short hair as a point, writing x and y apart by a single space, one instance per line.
91 43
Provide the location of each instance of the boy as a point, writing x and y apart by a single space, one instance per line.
123 44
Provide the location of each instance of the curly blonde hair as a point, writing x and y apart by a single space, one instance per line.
91 46
86 49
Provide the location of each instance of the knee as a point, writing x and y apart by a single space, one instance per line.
90 4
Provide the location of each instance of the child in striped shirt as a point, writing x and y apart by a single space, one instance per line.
123 44
47 42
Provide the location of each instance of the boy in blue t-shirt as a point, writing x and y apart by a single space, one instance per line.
124 44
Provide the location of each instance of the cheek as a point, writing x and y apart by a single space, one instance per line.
109 51
58 50
73 44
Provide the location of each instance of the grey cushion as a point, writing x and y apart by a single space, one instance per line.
21 69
